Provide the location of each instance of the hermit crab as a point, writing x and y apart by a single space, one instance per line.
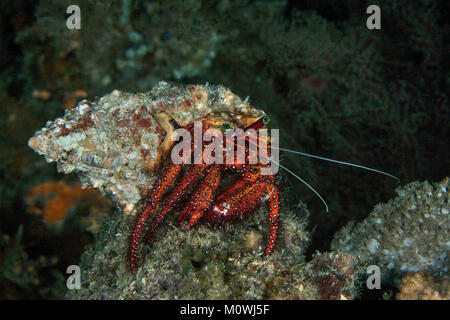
238 200
121 142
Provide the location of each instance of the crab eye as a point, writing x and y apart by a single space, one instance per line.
225 126
266 119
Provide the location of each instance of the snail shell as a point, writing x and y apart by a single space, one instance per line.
117 142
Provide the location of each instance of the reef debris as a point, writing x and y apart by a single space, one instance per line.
117 142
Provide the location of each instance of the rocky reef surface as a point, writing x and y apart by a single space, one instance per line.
204 263
422 286
411 249
410 233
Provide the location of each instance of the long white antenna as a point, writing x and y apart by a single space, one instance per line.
317 194
336 161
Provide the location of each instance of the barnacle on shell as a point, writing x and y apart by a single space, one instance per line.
116 143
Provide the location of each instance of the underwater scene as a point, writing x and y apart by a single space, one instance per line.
224 150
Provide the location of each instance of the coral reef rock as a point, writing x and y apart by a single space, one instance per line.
117 142
421 286
335 275
408 234
204 263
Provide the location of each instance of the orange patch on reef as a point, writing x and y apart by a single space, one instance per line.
54 200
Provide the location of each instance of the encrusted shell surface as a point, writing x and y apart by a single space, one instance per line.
117 142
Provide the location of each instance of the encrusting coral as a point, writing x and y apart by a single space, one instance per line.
410 233
335 275
204 263
421 286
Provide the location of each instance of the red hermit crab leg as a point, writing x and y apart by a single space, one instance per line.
243 199
202 197
273 217
167 177
227 206
190 177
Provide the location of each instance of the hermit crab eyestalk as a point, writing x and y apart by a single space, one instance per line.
225 126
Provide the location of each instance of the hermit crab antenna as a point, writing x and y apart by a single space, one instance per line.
296 176
336 161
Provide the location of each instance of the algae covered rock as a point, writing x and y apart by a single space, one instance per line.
204 263
421 286
336 275
408 234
